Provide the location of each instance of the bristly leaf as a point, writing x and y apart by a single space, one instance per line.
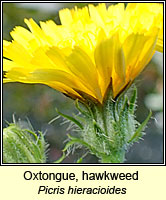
83 112
70 119
97 127
132 103
109 92
140 129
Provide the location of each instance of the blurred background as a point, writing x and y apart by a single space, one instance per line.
38 102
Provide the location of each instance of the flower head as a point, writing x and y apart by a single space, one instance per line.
91 47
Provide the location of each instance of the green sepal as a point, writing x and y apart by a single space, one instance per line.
108 129
70 119
83 112
133 98
139 132
71 142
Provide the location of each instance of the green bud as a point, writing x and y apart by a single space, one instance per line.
21 145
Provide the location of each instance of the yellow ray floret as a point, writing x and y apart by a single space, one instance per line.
91 47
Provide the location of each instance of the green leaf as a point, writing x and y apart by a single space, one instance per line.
61 158
140 129
70 119
97 127
133 101
83 112
79 160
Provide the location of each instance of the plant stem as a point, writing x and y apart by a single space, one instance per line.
115 157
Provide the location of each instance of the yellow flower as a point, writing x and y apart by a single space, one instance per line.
92 46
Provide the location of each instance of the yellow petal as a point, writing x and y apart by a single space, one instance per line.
82 66
159 44
64 89
57 56
92 46
65 17
133 47
104 61
37 32
5 46
145 56
95 15
17 53
8 65
21 35
51 75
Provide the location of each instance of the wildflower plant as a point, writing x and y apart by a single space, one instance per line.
93 57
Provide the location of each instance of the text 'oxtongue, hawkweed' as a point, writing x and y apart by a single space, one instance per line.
93 57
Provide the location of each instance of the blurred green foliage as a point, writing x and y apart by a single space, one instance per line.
38 102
